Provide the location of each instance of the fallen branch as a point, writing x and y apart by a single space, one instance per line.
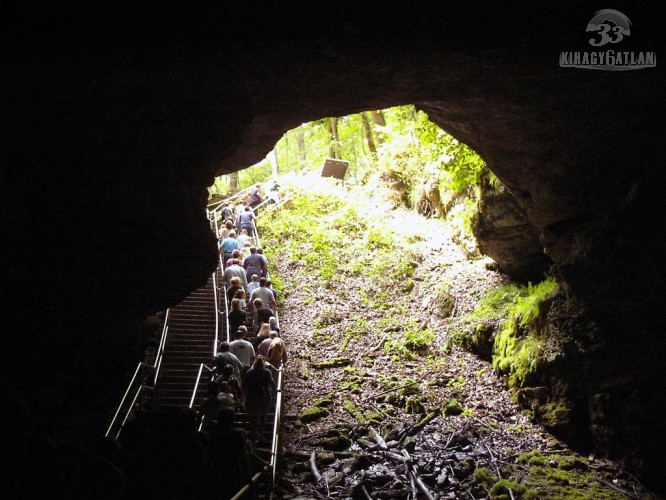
619 490
313 467
378 439
395 457
392 390
421 424
412 484
494 461
413 476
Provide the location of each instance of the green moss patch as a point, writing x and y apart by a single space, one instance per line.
333 363
312 414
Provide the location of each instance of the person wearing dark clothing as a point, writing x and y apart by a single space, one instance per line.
263 313
246 221
253 264
264 264
236 316
258 386
214 401
230 377
235 286
256 196
227 454
226 357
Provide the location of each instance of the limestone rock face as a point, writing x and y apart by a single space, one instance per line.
504 232
116 121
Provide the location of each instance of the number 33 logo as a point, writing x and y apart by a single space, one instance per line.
608 35
608 26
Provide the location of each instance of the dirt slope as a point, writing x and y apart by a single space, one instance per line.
361 404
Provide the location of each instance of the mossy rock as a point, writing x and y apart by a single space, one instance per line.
414 405
506 489
533 458
312 414
410 390
452 407
483 477
325 458
482 340
529 396
353 384
336 443
365 443
445 305
374 418
554 415
463 469
328 400
333 363
573 463
394 399
409 285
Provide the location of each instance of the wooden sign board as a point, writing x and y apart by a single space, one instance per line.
334 168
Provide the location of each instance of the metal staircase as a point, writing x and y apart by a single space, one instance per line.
178 377
191 342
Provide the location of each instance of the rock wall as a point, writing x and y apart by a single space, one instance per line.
117 120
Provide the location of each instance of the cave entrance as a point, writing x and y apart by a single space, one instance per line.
428 168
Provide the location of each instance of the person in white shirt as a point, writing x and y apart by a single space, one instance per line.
242 348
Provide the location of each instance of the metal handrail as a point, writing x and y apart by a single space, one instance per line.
217 313
276 427
196 386
226 309
216 342
142 387
122 401
272 465
238 194
158 361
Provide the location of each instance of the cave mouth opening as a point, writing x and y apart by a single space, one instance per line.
399 144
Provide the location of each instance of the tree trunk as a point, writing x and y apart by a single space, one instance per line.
379 120
334 146
300 141
367 132
233 182
272 157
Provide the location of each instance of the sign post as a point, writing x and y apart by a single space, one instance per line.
337 169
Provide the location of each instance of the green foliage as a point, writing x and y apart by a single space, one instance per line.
507 489
518 345
496 303
461 220
444 302
563 476
452 407
409 148
459 165
312 414
526 306
483 477
333 363
413 339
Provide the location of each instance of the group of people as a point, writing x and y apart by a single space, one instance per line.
244 214
245 370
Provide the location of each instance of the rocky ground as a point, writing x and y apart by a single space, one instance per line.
364 421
